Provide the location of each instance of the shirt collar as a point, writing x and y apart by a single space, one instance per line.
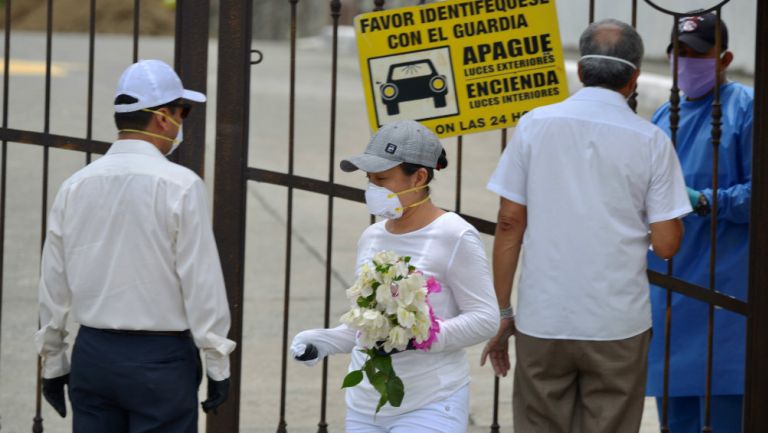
601 94
140 147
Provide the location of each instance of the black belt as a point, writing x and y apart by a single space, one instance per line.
184 333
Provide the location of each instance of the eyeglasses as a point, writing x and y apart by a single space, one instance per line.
185 108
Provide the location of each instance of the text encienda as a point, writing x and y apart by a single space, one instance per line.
442 12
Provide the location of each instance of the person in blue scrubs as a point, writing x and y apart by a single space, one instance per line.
688 357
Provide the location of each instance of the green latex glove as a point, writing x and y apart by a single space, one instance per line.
694 197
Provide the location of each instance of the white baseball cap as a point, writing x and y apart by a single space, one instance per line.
152 83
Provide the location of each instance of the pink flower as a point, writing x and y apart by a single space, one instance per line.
432 287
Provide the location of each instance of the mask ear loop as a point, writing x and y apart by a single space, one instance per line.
152 134
418 203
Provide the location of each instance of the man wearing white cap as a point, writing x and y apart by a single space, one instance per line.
130 253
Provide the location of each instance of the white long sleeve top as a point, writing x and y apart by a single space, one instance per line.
129 246
450 250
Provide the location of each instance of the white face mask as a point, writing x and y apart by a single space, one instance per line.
385 203
177 141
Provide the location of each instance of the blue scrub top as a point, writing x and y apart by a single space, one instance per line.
689 317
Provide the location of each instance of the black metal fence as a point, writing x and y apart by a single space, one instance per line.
234 49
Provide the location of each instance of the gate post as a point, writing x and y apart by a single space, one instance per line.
191 63
756 387
229 200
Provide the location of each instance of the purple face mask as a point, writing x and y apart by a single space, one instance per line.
695 76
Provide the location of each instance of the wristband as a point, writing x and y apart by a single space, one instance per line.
507 313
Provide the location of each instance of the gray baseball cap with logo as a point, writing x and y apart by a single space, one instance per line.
395 143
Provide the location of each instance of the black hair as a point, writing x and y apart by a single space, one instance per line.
409 169
138 119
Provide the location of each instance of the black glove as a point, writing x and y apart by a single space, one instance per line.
309 353
218 391
53 391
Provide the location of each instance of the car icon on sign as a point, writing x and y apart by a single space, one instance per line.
410 81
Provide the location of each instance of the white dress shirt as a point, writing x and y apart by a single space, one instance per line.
129 246
593 176
450 250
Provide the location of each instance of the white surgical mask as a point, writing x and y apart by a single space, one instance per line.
385 203
177 141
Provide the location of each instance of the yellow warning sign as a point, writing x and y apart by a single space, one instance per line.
461 66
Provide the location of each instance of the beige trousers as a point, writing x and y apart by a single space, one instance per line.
579 386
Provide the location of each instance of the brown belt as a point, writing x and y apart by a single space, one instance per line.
184 333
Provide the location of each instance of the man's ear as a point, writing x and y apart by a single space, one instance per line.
578 71
726 60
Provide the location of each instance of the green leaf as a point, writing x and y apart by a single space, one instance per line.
369 370
383 363
382 402
379 381
375 285
352 378
406 259
395 391
411 269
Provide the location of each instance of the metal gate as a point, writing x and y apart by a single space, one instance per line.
230 206
234 174
190 59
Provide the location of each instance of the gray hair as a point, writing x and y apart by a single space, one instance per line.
613 38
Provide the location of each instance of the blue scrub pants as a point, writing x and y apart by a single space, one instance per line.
128 383
686 414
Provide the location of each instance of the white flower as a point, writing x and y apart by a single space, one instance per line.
398 339
374 321
353 317
385 301
401 269
405 318
384 257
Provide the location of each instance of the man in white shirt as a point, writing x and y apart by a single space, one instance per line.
130 253
586 186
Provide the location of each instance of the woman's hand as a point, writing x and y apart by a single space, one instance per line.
498 347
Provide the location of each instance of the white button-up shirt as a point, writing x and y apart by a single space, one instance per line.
129 246
593 176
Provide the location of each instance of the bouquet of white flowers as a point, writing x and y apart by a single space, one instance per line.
390 310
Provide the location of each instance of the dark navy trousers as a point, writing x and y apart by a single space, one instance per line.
128 383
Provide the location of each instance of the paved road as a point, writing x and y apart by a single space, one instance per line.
266 235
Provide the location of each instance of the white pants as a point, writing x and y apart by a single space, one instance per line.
447 416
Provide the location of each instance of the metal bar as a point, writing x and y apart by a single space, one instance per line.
634 13
281 428
495 427
378 5
716 133
322 426
459 154
37 425
4 156
191 63
91 55
699 293
229 202
53 141
591 11
306 184
674 123
756 380
136 14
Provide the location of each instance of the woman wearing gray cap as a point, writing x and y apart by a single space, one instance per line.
400 161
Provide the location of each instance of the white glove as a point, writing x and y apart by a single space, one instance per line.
300 343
